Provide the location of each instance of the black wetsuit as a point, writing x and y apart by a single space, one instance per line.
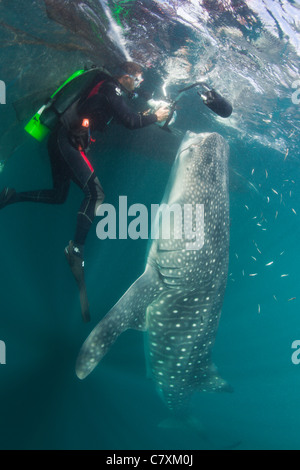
69 161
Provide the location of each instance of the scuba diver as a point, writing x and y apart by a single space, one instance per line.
67 146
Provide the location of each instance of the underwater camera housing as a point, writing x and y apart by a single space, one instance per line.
156 104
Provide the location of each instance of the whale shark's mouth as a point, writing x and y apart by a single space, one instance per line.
202 160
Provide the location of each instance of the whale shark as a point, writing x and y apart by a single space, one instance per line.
177 301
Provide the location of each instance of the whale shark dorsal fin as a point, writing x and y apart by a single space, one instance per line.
213 382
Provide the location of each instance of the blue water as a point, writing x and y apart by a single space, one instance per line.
43 405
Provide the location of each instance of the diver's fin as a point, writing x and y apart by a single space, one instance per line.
5 196
84 303
128 312
76 264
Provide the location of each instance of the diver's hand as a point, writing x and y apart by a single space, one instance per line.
162 113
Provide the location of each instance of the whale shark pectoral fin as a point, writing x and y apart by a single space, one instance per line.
128 312
213 382
96 346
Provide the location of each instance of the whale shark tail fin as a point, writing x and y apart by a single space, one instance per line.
187 423
128 313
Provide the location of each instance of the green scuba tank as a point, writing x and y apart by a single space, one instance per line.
77 86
